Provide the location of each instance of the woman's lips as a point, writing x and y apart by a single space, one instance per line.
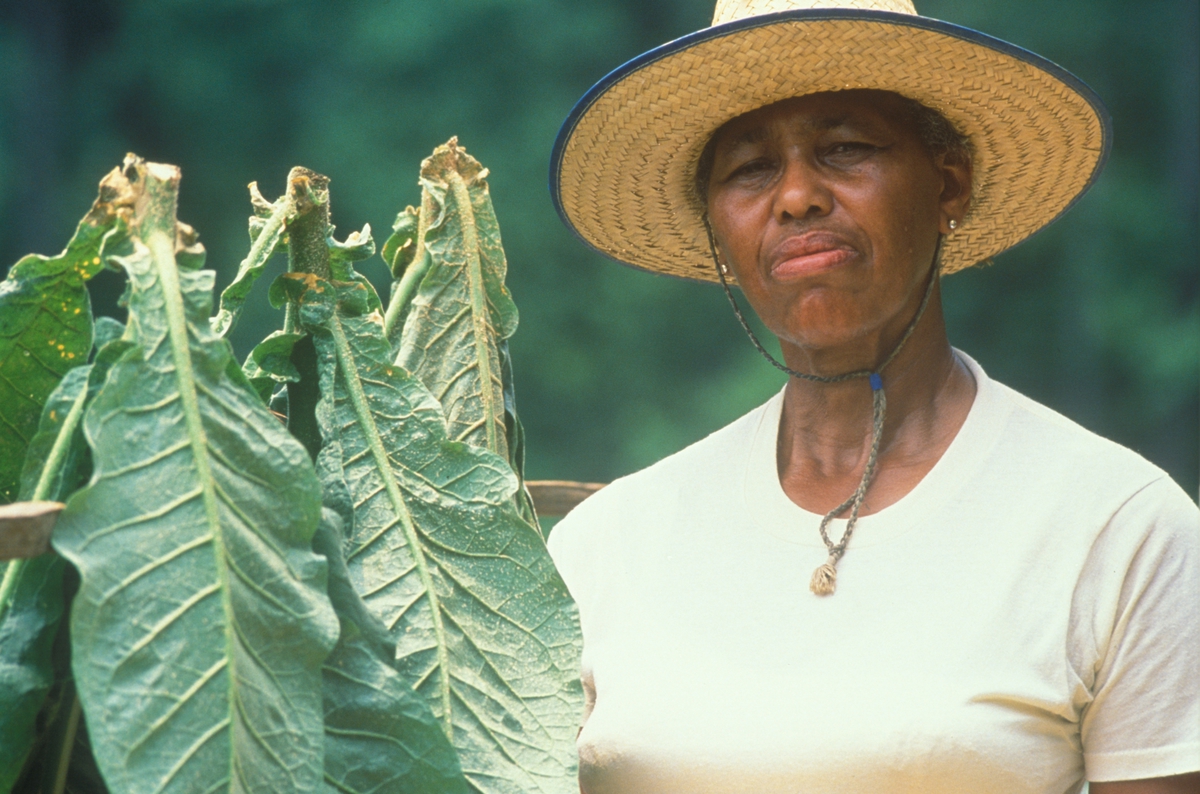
809 253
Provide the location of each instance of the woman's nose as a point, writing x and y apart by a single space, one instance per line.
801 192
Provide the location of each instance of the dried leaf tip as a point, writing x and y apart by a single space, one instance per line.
451 158
117 193
262 207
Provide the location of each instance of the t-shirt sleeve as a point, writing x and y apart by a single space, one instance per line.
568 547
1138 608
563 546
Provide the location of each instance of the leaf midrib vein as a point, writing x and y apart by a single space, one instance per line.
480 319
349 372
161 244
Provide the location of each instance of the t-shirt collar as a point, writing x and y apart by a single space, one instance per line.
772 510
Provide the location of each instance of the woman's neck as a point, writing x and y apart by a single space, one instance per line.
825 429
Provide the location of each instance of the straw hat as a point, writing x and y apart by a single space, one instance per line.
624 164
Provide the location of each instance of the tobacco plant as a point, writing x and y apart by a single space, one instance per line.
316 571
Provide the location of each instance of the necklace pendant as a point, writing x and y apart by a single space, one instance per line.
824 579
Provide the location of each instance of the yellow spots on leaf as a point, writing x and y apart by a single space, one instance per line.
70 355
95 260
53 416
78 310
53 342
62 347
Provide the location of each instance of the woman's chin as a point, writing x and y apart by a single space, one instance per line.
825 341
821 322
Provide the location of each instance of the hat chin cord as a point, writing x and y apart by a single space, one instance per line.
824 579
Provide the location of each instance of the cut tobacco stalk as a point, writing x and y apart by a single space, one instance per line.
212 648
285 357
202 618
483 624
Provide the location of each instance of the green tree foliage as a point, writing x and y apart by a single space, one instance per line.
1097 316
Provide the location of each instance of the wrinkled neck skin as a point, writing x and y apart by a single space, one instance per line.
825 429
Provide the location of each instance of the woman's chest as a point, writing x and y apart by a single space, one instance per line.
719 671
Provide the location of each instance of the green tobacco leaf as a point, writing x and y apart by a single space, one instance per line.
342 256
202 618
379 734
400 249
267 228
269 364
31 591
514 432
482 621
27 630
31 597
405 255
46 327
462 311
60 427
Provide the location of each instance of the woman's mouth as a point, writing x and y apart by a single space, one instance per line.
809 253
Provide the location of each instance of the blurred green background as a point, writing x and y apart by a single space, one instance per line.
1097 316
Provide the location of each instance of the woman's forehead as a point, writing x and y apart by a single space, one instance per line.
816 113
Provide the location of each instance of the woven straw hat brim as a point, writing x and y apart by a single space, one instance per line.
623 167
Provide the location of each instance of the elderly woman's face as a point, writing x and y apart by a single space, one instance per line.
827 207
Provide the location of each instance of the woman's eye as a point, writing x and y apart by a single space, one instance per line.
850 149
752 168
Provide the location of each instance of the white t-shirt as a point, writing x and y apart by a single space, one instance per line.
1026 618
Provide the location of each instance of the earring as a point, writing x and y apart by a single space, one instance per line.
953 224
724 270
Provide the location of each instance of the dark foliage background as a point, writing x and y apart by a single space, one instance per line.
1098 316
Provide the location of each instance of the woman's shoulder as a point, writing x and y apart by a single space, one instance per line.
635 500
1061 441
1038 441
1105 496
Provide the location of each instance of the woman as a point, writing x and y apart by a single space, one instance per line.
1001 601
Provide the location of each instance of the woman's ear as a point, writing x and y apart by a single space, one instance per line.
955 199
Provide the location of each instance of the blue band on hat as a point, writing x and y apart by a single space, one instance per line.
876 381
914 21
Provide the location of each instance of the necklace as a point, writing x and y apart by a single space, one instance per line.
824 578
